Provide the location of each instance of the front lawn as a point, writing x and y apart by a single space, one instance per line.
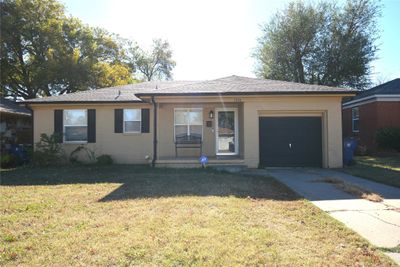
125 215
384 170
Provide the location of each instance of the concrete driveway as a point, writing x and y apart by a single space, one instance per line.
378 222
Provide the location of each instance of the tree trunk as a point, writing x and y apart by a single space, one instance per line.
300 68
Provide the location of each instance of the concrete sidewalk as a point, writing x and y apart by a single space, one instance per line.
379 222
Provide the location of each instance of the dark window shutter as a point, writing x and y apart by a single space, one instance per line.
58 124
91 131
118 120
145 120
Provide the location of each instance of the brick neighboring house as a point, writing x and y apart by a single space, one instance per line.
371 110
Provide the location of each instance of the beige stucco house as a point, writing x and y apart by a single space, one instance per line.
232 120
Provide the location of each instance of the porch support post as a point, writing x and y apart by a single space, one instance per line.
153 162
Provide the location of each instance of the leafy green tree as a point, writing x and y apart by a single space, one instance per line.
107 75
91 58
157 64
45 53
320 44
28 28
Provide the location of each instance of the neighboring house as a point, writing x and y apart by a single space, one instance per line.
15 124
232 120
371 110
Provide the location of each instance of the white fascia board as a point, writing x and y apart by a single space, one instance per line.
370 99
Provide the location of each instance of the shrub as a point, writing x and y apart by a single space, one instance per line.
388 138
74 156
48 151
104 160
8 161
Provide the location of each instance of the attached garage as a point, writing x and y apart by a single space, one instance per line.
290 141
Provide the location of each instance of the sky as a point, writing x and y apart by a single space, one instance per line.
216 38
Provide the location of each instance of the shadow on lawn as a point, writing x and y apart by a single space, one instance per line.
201 185
144 182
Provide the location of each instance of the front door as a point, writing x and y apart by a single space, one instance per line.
227 132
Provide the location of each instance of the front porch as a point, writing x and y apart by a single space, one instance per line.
187 131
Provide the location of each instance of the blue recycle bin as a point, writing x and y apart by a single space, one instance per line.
349 146
20 153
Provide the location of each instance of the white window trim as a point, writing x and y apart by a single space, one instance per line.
123 121
187 124
74 125
353 119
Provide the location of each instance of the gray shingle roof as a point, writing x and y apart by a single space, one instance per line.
243 85
8 106
388 88
229 85
122 93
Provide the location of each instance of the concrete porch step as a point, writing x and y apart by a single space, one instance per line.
194 163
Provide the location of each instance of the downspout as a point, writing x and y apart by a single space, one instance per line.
32 131
153 162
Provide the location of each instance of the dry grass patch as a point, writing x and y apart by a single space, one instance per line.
384 170
352 189
130 216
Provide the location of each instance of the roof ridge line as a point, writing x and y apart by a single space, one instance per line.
170 87
283 81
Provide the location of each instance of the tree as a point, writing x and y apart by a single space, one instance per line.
320 44
22 52
91 58
45 53
107 75
157 64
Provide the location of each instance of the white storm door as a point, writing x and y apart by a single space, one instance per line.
227 131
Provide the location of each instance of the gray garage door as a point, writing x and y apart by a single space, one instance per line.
290 141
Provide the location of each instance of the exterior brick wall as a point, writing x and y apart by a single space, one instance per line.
346 123
373 116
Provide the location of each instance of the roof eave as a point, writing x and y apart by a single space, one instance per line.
81 102
16 113
374 97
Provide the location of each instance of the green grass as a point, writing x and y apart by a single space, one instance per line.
384 170
125 215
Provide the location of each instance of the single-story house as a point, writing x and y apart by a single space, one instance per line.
231 120
15 125
371 110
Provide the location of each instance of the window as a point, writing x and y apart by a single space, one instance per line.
75 125
188 122
132 120
355 116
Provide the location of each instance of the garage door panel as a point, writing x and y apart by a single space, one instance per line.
290 141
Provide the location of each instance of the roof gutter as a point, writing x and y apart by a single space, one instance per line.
16 113
80 102
349 93
372 98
